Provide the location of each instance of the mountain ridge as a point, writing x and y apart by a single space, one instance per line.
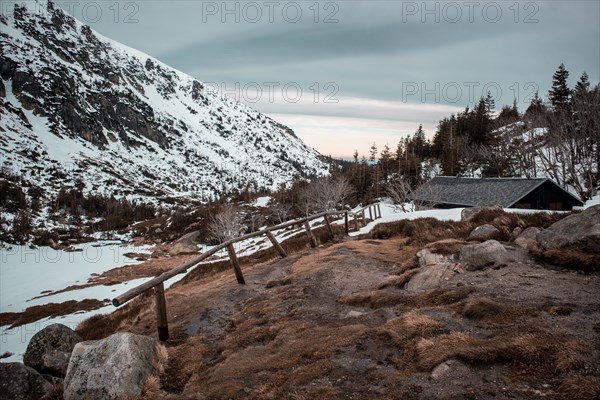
79 107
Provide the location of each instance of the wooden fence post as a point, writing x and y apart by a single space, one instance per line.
355 222
328 226
363 217
162 325
276 244
370 214
311 237
346 222
379 210
236 264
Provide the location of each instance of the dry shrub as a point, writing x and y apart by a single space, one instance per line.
398 280
542 220
541 352
572 259
580 388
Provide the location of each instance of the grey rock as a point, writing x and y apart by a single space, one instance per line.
49 350
579 231
20 382
112 368
483 232
470 212
481 255
434 270
185 244
527 237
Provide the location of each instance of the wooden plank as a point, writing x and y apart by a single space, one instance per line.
379 210
162 325
235 263
276 244
311 237
355 222
363 218
370 214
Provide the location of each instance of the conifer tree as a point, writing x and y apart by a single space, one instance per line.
560 94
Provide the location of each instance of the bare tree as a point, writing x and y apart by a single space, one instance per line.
420 197
399 191
226 225
280 211
327 193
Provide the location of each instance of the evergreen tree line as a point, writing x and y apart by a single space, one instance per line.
558 138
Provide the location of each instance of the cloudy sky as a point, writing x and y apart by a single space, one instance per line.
345 74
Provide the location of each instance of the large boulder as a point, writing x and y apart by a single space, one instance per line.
470 212
112 368
49 350
481 255
434 270
483 232
20 382
185 244
578 231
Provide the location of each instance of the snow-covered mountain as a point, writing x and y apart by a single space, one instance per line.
78 107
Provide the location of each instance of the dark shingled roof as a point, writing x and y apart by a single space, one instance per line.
477 192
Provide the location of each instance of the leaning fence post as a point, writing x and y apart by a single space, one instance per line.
346 222
162 325
236 264
328 226
311 237
276 244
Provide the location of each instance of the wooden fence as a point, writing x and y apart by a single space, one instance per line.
157 283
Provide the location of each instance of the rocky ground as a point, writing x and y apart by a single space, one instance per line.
405 312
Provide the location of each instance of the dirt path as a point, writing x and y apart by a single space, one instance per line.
315 325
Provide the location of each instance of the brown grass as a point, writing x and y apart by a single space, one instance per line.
103 325
427 230
549 353
53 310
409 326
487 310
572 259
390 298
580 388
398 280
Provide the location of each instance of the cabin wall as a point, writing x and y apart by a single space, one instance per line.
547 197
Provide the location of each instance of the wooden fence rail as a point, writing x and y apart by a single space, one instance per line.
157 283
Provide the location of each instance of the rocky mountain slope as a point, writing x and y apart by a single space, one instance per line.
78 107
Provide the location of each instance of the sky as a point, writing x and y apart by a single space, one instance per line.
346 74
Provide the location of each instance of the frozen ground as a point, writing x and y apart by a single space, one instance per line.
28 273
